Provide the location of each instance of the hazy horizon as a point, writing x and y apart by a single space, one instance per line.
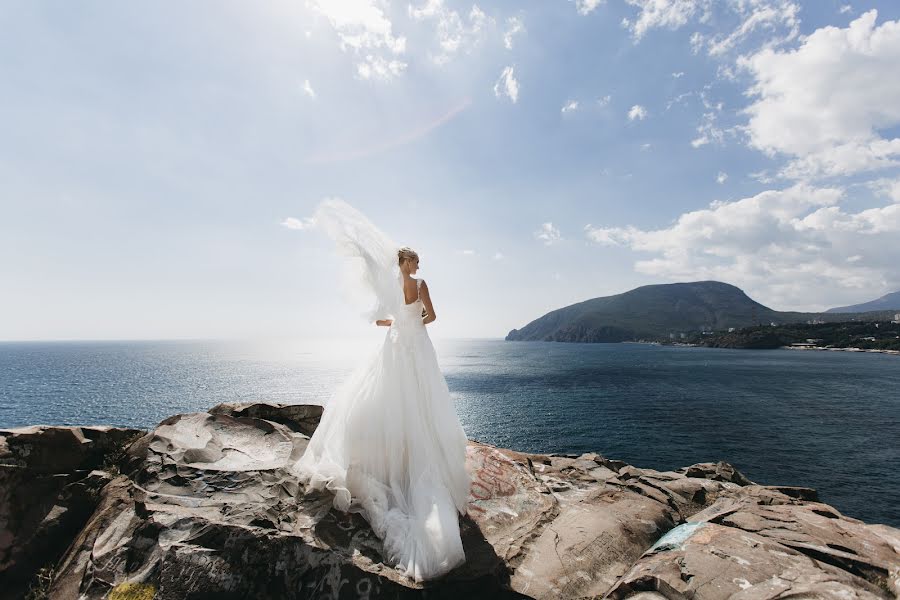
364 334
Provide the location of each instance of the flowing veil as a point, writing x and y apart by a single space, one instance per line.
373 268
390 444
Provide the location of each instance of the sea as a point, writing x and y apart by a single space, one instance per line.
827 420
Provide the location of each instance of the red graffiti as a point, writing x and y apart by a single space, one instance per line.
492 479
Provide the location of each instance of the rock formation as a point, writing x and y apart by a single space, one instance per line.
50 480
204 507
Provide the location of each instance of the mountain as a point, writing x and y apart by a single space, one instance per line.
659 312
886 302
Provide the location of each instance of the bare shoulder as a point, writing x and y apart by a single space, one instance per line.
423 286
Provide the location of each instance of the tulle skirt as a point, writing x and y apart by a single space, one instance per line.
390 446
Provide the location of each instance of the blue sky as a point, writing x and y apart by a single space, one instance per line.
159 163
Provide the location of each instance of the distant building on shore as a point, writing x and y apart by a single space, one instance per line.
896 318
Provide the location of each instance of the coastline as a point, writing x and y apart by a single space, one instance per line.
832 349
825 348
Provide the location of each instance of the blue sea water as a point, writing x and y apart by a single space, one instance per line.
828 420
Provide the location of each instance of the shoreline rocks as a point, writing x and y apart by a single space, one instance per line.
204 507
50 481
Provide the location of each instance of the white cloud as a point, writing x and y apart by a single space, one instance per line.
467 252
295 223
586 7
760 15
884 219
569 106
825 103
708 131
497 256
707 103
360 24
637 112
454 32
604 101
646 146
670 14
887 187
678 74
778 17
363 27
781 245
678 99
514 26
726 72
378 67
697 40
478 18
722 177
548 233
763 177
507 85
846 9
431 8
308 89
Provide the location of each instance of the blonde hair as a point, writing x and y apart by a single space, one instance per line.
406 253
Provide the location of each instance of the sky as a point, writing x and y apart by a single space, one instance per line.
160 162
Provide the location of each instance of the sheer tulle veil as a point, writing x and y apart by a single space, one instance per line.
389 444
372 268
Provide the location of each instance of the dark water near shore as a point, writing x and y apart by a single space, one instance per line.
828 420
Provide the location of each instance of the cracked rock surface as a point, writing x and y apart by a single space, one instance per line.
206 508
50 478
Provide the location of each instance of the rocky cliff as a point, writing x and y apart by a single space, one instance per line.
203 507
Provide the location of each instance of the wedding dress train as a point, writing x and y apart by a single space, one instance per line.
390 446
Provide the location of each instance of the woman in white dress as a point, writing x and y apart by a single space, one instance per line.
389 444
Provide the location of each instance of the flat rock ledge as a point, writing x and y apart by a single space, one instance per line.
204 506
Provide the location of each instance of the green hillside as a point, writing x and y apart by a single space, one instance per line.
883 335
659 312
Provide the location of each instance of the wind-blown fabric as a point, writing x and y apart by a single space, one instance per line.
372 253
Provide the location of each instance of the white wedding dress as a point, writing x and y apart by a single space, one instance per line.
390 445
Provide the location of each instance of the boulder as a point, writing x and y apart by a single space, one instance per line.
703 560
759 542
50 478
298 417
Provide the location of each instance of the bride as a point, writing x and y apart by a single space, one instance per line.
389 444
